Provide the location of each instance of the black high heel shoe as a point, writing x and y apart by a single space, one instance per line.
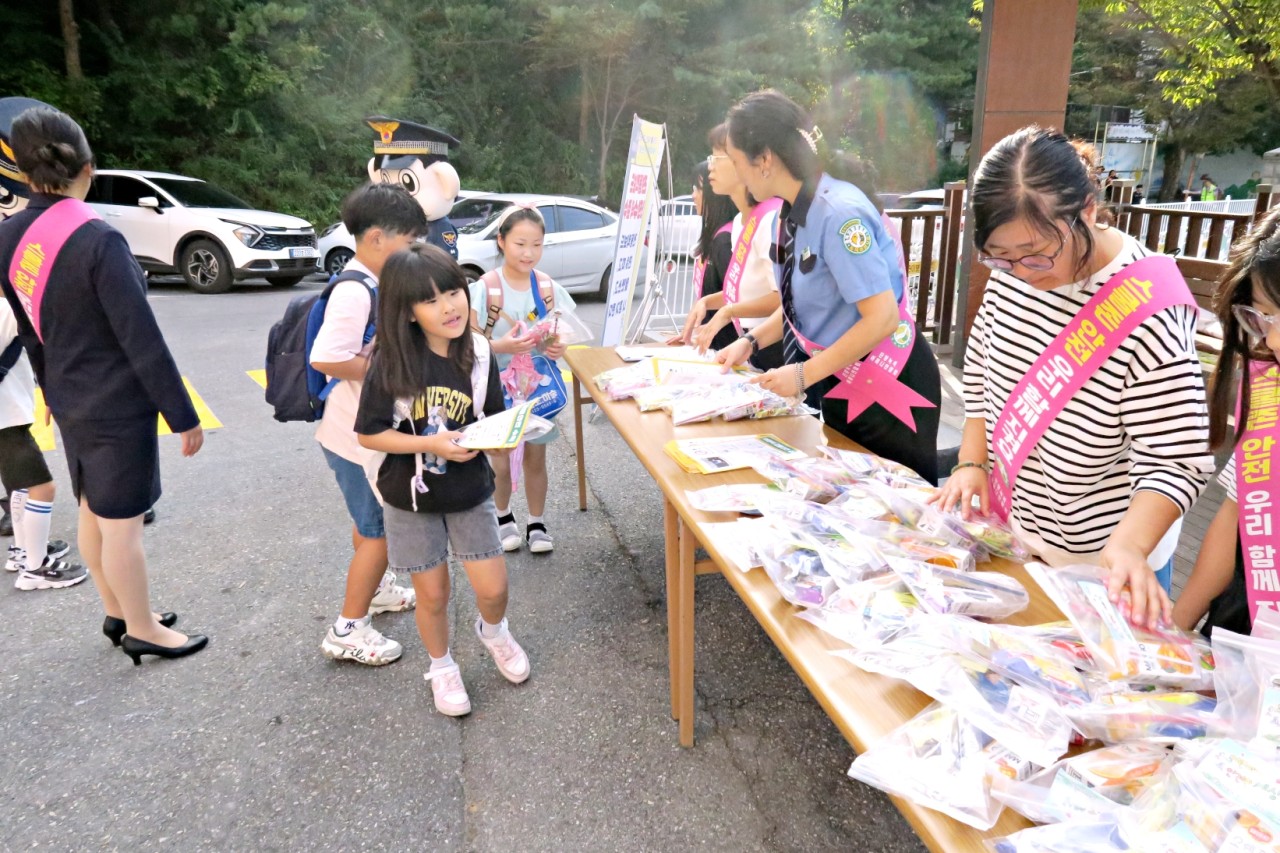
135 648
113 628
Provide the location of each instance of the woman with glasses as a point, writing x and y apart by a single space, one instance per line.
748 290
846 339
711 261
1124 456
1249 310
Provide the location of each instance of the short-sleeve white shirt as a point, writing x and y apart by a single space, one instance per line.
341 338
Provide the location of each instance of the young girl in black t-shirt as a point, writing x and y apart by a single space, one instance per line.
421 389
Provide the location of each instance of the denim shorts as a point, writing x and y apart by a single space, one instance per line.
362 503
417 541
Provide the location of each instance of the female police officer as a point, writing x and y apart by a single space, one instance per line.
846 339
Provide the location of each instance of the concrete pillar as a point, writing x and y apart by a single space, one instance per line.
1023 71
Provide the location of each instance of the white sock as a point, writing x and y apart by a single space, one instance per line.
502 510
536 519
18 503
490 631
37 516
345 625
441 663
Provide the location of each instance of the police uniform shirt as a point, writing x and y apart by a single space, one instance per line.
442 233
841 255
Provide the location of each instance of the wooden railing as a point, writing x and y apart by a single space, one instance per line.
931 239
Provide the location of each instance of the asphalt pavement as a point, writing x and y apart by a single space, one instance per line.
260 743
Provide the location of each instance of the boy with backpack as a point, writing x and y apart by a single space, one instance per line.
383 219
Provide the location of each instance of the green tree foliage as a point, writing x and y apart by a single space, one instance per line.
268 97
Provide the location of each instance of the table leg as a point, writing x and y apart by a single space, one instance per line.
671 536
577 437
684 597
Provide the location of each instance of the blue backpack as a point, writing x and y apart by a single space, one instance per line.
295 389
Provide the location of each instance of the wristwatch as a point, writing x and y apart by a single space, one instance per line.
755 345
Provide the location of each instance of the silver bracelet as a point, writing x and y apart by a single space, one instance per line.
799 378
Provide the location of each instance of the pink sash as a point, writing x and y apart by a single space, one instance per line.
874 379
1125 302
700 266
38 250
1257 491
738 263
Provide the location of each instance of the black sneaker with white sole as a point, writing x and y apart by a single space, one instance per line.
54 574
58 549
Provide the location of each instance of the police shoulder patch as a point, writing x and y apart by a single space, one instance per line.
855 236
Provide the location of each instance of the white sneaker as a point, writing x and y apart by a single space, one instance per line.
391 598
509 533
364 645
449 691
539 539
512 662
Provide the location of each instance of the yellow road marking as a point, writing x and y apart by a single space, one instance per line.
45 436
259 376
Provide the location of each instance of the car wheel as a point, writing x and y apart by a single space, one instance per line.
603 293
205 267
284 280
472 274
337 260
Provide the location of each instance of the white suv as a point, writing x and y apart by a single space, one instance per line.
179 224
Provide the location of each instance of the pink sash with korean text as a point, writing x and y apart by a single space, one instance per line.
1257 490
700 265
738 262
874 379
38 250
1126 301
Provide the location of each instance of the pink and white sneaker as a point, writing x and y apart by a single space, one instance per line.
449 691
512 662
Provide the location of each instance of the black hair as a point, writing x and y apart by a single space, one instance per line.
718 137
384 206
417 274
770 121
1254 262
717 210
515 215
49 147
1040 176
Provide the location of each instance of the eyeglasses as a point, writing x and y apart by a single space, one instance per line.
712 158
1039 263
1256 323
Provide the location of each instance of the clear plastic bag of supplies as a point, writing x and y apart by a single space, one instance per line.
897 540
621 383
1143 714
868 466
1096 836
770 406
708 403
1033 660
866 614
1266 624
1123 650
810 477
797 570
1246 680
948 668
560 327
1064 636
994 535
1090 785
733 497
943 590
940 761
1228 798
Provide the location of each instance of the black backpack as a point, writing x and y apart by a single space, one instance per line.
295 389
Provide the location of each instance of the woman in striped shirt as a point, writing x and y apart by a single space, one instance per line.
1127 456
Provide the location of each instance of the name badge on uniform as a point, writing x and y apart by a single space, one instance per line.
808 260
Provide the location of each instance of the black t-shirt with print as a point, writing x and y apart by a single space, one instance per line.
444 405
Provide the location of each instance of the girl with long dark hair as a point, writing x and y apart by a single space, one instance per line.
421 389
711 259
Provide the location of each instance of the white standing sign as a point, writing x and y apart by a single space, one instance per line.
645 155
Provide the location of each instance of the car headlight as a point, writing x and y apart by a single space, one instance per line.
326 232
246 234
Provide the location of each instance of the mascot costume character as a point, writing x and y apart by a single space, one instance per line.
14 191
416 157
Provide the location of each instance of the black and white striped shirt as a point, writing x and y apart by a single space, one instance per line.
1139 423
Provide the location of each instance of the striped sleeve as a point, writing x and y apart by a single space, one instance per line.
1163 410
1227 479
975 361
